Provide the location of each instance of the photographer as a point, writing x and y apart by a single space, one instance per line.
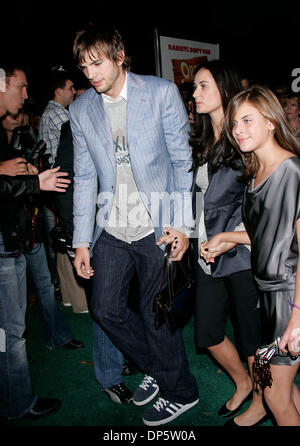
56 331
16 397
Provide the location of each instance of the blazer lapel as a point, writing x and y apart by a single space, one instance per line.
101 125
137 98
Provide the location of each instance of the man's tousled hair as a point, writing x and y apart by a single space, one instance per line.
95 41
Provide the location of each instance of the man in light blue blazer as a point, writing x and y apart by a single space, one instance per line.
131 197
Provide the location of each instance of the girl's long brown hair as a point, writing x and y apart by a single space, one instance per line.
265 101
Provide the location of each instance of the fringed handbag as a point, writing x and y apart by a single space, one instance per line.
261 366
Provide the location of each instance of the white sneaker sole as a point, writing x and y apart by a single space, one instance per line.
147 400
173 416
114 397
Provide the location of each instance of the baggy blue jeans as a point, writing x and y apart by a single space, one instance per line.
107 359
56 331
157 352
16 397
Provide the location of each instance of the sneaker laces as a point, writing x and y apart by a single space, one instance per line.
161 403
147 382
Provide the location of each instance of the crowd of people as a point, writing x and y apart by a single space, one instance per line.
85 187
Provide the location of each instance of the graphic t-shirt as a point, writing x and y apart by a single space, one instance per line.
129 219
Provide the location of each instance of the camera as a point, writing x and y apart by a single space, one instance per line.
23 145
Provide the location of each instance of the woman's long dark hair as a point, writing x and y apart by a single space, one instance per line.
203 140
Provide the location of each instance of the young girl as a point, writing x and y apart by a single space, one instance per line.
229 282
256 125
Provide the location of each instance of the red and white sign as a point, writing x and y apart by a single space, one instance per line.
178 57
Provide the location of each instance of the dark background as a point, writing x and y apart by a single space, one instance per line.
260 38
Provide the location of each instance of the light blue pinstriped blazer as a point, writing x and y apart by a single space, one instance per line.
157 131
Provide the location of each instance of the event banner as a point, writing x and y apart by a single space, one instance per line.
176 59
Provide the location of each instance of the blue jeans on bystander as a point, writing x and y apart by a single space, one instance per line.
56 331
16 397
107 359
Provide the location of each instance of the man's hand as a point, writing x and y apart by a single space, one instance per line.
52 180
82 263
16 166
179 241
32 170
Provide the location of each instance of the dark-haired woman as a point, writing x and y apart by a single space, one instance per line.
227 283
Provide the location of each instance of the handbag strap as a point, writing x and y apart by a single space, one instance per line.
170 274
167 270
166 262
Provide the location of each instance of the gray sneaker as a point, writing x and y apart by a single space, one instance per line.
164 411
146 391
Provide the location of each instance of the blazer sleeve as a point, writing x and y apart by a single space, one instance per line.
176 130
85 183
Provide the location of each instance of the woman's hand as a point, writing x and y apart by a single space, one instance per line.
216 246
179 241
290 340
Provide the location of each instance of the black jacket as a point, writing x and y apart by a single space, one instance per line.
14 193
64 159
18 187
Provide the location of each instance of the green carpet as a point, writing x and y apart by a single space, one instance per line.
69 375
